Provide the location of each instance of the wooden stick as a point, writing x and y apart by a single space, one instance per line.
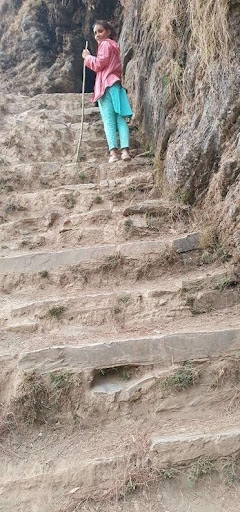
83 91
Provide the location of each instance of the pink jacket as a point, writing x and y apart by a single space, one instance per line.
107 65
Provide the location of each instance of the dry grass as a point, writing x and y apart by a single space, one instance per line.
184 377
208 238
138 480
39 399
205 20
213 249
26 7
131 474
226 372
209 29
183 27
151 267
113 263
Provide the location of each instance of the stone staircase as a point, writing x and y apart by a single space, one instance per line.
119 347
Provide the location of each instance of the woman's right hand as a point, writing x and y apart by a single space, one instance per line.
85 53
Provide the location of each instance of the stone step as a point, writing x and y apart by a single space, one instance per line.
101 227
43 488
184 448
164 350
23 334
72 117
63 102
45 261
172 282
48 137
114 265
214 292
208 301
29 177
157 208
107 312
78 198
99 224
121 310
50 466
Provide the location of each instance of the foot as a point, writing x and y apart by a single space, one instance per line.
113 156
125 154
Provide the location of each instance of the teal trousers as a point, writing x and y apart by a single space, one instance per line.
113 122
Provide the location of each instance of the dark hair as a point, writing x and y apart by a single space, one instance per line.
105 24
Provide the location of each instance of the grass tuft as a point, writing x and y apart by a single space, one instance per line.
60 380
201 467
32 402
128 224
56 312
98 200
71 201
225 282
82 177
43 273
124 299
183 378
213 249
82 158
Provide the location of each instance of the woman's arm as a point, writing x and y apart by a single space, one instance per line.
101 61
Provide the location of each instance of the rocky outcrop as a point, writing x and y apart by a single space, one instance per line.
41 42
182 63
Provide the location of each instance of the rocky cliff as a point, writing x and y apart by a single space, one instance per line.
41 42
181 62
182 71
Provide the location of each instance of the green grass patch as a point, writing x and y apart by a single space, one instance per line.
56 312
60 380
98 200
128 224
43 273
183 378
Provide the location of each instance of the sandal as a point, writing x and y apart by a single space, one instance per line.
125 156
113 158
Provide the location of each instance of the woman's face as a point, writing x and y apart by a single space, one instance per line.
101 33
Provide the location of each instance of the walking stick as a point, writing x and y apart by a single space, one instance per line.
83 91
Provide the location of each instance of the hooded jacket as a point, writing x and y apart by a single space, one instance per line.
107 65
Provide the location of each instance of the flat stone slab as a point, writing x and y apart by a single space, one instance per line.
154 207
181 449
35 262
166 349
215 278
50 260
188 243
214 299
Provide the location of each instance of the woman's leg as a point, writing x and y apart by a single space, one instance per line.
123 131
109 120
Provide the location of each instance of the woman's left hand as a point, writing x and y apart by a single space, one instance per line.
85 53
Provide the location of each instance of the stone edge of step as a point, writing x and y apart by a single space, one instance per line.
183 448
48 260
167 349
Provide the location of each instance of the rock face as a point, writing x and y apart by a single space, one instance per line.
181 62
41 43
